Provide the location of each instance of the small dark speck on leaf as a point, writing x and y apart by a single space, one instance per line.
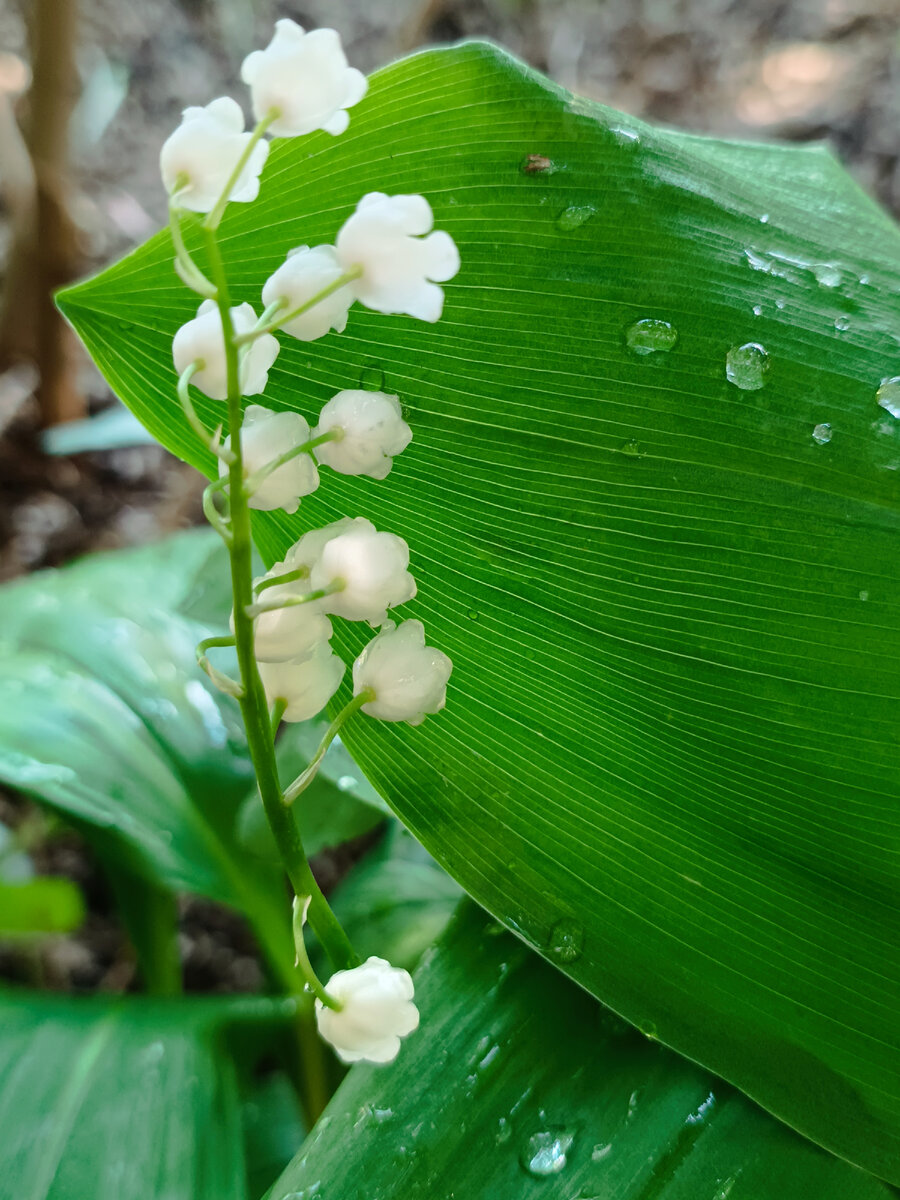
537 164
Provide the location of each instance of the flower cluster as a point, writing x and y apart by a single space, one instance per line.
387 257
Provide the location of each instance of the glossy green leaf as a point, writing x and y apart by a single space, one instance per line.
105 717
396 901
671 601
519 1086
121 1099
41 905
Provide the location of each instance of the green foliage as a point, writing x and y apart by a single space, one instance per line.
123 1099
105 717
669 757
42 905
543 1093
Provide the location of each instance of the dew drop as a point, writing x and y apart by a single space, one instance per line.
746 366
632 1106
626 137
545 1152
863 595
822 434
631 448
504 1131
842 324
888 395
648 1029
566 941
371 378
346 783
601 1151
702 1111
650 336
757 310
382 1114
827 274
574 217
725 1188
764 219
537 164
472 614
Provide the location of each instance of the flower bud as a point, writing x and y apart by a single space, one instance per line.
400 268
371 569
204 150
372 431
376 1011
203 339
304 273
265 436
306 78
305 684
409 679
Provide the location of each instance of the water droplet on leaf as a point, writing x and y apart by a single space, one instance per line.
574 217
566 941
601 1151
842 324
822 434
504 1132
650 336
631 448
746 366
545 1152
888 395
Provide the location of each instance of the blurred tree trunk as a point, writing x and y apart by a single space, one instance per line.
44 249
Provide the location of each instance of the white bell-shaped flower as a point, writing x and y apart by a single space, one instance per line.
291 632
265 436
306 78
304 684
376 1011
372 431
401 268
304 273
409 679
202 339
204 150
370 569
307 552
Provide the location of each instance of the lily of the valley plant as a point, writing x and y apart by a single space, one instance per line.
387 258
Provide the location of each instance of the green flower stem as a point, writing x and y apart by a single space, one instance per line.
191 274
279 321
278 580
279 708
305 778
266 606
214 216
222 681
210 441
254 708
258 477
299 920
219 521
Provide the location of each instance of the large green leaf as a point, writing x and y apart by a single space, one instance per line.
669 757
518 1086
121 1099
105 716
